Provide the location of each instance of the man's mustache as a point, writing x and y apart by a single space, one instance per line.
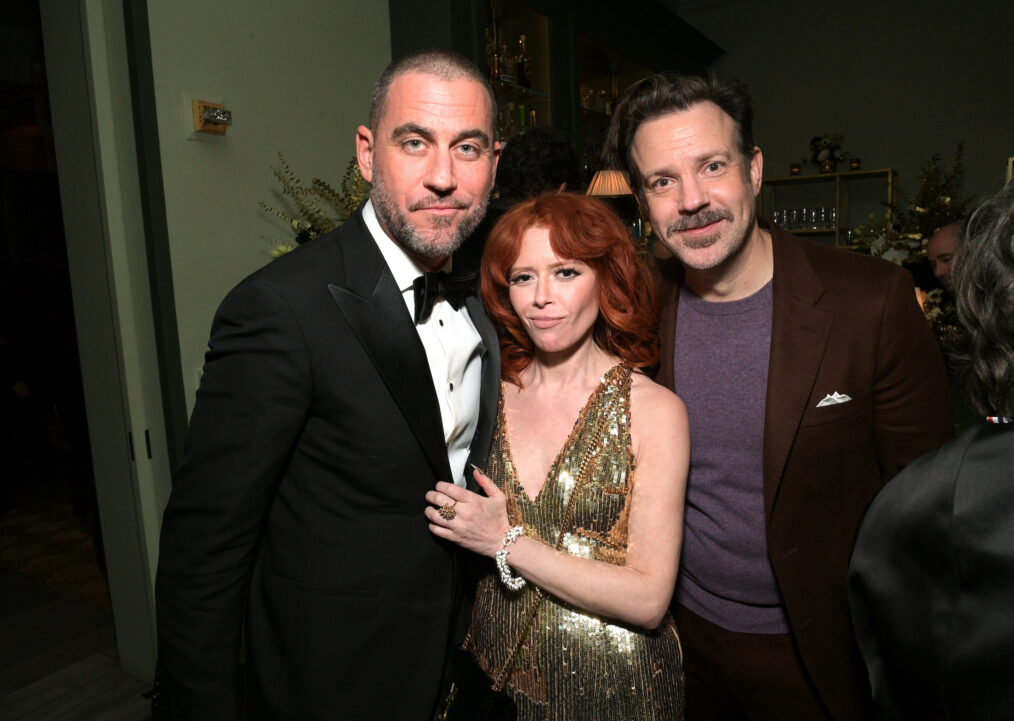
442 203
698 220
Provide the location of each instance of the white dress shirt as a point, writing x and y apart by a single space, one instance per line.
453 350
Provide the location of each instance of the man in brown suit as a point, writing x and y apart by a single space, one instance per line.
810 378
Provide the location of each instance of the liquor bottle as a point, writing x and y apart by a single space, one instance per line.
501 124
524 69
492 63
509 129
508 66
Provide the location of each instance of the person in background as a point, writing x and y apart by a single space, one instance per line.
540 161
342 381
931 581
810 378
940 250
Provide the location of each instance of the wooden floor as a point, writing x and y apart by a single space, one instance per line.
58 659
57 643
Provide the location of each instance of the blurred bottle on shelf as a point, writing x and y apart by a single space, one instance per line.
508 127
492 57
508 66
523 64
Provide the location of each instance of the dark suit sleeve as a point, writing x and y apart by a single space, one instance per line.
250 409
912 405
899 589
931 583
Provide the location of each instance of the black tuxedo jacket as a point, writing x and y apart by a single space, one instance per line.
297 510
931 583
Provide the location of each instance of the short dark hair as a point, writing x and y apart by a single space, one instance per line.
983 276
580 228
665 93
537 162
443 64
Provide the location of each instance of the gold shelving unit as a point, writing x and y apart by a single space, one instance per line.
839 182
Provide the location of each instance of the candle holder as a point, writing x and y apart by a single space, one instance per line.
855 164
794 169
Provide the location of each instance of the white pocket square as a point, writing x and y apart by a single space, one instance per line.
832 399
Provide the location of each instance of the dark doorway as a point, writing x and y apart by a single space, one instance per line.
49 527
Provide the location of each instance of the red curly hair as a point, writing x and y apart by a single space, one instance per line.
580 228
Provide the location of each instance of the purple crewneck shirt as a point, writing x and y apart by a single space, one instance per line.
721 373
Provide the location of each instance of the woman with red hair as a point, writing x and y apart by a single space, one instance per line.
585 480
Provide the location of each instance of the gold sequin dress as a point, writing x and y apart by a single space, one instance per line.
557 662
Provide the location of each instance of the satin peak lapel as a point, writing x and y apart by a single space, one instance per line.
489 389
373 307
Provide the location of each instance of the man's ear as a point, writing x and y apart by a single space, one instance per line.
364 152
496 158
641 205
756 170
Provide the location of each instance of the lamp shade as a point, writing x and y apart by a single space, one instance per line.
610 183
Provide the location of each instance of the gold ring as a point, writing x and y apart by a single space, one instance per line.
447 511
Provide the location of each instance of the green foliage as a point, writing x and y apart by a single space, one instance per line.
909 224
938 202
317 208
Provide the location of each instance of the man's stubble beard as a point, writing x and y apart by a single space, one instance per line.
732 245
440 241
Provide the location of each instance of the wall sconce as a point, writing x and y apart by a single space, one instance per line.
210 117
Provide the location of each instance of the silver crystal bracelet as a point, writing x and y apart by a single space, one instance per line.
514 583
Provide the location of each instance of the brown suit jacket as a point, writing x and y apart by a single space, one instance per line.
842 322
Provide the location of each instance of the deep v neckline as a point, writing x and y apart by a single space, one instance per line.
575 429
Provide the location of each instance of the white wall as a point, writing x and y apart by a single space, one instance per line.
297 77
901 81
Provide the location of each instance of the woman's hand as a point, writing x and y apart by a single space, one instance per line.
478 523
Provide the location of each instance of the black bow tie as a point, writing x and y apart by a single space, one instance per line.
430 286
